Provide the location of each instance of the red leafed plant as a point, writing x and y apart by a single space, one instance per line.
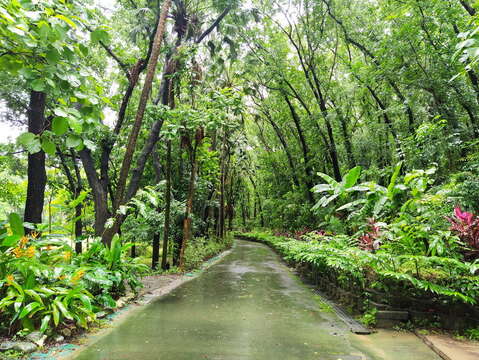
466 225
370 240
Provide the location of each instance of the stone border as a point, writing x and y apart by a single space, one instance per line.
431 345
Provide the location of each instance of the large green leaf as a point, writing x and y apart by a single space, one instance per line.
45 321
56 314
16 224
48 146
351 178
63 309
392 182
29 142
38 85
99 35
73 141
328 179
322 188
53 56
28 309
11 240
60 125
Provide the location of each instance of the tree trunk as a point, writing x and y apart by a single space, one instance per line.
284 144
387 121
166 233
258 201
346 137
308 171
100 195
187 221
145 94
37 176
221 210
155 250
155 255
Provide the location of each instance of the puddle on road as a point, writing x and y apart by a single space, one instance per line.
249 306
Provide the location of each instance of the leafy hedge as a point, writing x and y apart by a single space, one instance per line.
450 280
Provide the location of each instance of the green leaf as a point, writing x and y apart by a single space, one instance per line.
352 177
322 188
60 125
11 240
328 179
16 224
67 20
28 309
85 301
60 112
75 125
56 315
43 30
84 50
73 141
45 321
63 309
29 142
99 35
52 56
392 182
38 85
34 295
48 146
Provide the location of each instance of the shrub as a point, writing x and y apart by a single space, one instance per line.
201 249
466 225
450 279
43 284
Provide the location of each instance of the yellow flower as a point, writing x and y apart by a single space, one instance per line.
18 252
67 255
78 275
34 235
30 252
23 241
62 277
10 279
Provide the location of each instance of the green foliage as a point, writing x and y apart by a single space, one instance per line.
43 285
338 190
202 249
472 334
108 271
450 279
369 317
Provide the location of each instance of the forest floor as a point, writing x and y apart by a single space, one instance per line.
249 305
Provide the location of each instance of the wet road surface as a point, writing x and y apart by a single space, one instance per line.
248 306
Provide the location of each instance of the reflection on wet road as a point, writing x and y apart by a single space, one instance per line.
248 306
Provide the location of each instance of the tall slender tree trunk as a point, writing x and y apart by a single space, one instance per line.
166 233
284 144
78 228
145 94
221 210
187 221
155 254
37 176
99 193
388 122
308 171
